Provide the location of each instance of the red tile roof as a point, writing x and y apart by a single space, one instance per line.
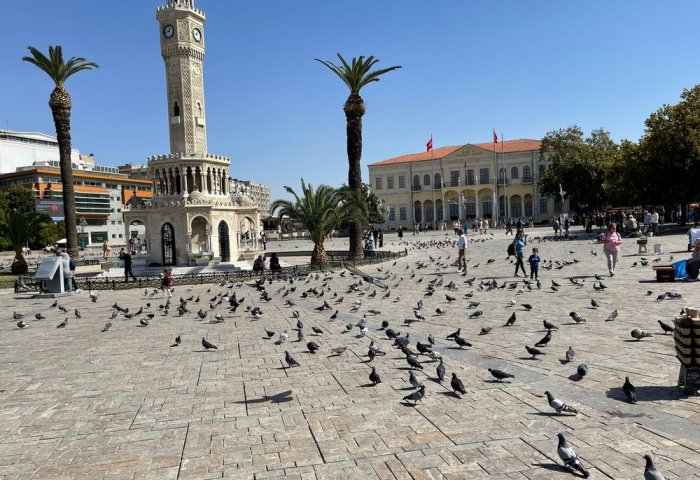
509 146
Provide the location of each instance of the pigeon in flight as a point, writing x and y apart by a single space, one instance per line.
568 455
457 385
629 390
650 471
207 345
499 374
558 405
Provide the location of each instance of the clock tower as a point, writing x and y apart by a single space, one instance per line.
182 48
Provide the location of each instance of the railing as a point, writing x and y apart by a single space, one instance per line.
454 183
415 188
527 180
437 186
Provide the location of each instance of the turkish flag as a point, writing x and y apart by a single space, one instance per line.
495 137
429 145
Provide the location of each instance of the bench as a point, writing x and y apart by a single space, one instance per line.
665 273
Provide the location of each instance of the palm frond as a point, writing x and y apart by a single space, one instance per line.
54 65
358 73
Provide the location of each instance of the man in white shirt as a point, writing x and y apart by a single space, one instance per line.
654 222
462 249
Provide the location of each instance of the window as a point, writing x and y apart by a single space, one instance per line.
470 177
120 235
390 183
543 205
514 172
119 210
114 222
402 181
426 179
488 206
437 181
378 183
114 235
119 222
470 205
527 174
454 210
484 176
454 178
392 213
416 181
501 175
402 213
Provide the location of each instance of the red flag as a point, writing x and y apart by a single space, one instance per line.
429 145
495 137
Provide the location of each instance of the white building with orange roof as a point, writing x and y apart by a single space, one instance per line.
456 183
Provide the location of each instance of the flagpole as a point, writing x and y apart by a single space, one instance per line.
496 211
505 175
432 177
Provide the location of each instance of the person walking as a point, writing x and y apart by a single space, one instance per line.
509 227
166 283
534 261
462 251
106 249
654 222
126 258
611 246
520 241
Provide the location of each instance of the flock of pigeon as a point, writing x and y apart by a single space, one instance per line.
356 308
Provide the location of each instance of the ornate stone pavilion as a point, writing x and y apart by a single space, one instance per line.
192 218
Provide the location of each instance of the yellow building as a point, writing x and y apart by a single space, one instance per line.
457 183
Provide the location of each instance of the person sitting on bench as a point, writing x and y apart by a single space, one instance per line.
259 264
275 263
692 265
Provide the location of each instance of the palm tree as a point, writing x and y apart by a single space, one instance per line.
355 76
60 104
18 227
320 211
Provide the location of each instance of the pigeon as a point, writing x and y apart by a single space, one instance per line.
338 351
144 322
63 309
416 396
549 325
207 345
455 334
22 324
511 320
485 330
577 318
570 354
545 340
269 333
178 341
431 339
558 405
414 380
568 455
39 316
462 342
107 326
527 306
317 330
413 363
629 390
63 323
17 315
312 347
476 314
440 311
639 334
334 316
613 315
419 316
290 360
374 377
650 471
300 335
594 304
77 313
499 374
457 385
582 370
665 327
440 371
385 325
533 351
449 298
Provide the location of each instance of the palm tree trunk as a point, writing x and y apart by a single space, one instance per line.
319 257
354 110
60 104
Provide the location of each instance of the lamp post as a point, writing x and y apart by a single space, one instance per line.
82 225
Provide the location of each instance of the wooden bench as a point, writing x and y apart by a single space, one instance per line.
665 273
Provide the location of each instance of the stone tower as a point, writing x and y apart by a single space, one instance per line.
192 219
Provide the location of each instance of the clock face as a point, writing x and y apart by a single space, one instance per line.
197 35
168 31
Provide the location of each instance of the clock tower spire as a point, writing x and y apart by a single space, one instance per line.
182 48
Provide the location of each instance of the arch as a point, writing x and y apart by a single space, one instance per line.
529 211
199 238
224 242
527 173
470 206
176 109
516 206
208 180
417 211
429 212
501 175
167 243
198 179
502 207
178 182
487 206
438 210
189 177
426 180
514 172
416 181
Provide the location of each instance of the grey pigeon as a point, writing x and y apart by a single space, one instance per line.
413 363
107 326
441 371
650 471
629 390
312 347
577 318
613 315
374 377
549 325
63 323
144 322
485 330
207 345
594 304
558 405
178 341
568 455
22 324
338 351
665 327
570 354
582 370
290 360
416 396
414 380
455 334
457 385
499 374
462 342
545 340
638 334
533 351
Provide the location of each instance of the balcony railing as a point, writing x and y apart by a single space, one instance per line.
437 186
454 183
415 188
471 181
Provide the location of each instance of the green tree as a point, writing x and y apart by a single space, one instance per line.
60 102
319 210
18 229
367 211
21 199
578 164
356 75
670 148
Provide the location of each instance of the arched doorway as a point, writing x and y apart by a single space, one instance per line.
167 241
199 239
224 244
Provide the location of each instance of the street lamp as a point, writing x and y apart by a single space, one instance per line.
82 225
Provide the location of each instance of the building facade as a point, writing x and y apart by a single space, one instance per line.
257 192
448 184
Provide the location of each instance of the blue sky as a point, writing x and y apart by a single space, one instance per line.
521 67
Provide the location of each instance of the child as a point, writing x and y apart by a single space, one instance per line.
534 261
166 284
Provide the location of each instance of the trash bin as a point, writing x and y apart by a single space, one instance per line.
687 340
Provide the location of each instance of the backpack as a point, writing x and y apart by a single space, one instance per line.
511 249
72 264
